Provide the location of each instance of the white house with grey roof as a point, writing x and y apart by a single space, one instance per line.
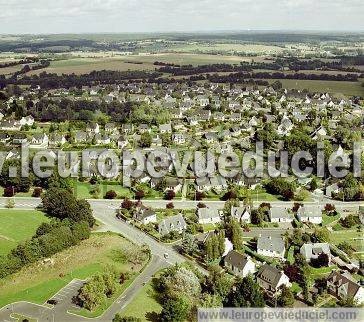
310 213
278 214
271 246
241 214
271 279
239 264
208 216
174 223
313 250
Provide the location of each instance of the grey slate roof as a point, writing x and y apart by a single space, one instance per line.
236 259
275 244
270 275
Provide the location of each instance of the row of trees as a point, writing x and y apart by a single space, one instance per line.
49 239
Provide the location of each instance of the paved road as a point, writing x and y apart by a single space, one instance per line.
104 211
29 203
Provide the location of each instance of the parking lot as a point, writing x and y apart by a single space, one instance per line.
65 295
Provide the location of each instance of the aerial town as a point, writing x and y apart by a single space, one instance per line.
148 177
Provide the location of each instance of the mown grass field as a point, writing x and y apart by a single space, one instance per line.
38 282
18 225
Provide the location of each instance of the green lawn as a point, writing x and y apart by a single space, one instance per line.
351 236
326 220
316 273
18 225
37 282
82 190
145 305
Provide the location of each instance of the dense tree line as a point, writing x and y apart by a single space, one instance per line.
27 60
52 81
49 239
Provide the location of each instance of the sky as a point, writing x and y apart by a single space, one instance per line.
90 16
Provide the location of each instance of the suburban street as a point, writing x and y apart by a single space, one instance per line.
104 211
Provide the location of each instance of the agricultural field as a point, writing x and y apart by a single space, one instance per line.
17 226
38 282
86 65
192 59
229 47
333 87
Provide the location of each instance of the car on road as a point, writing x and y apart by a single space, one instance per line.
165 255
52 302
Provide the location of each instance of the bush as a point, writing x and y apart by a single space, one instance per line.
9 191
37 192
111 194
169 195
170 205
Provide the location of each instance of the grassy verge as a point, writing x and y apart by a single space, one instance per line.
145 305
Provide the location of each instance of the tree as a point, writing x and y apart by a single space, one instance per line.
350 221
10 203
321 260
139 194
257 217
246 294
111 194
321 235
37 192
145 140
285 298
127 204
119 318
189 244
169 195
61 204
235 233
175 310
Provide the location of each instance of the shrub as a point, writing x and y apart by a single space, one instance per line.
37 192
9 191
111 194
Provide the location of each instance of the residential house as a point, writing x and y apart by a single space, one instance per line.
4 138
271 246
145 216
310 213
27 120
111 127
173 184
241 214
278 214
57 139
313 250
165 128
343 286
271 279
179 138
174 223
208 216
39 141
10 125
80 137
93 128
239 264
102 139
19 138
